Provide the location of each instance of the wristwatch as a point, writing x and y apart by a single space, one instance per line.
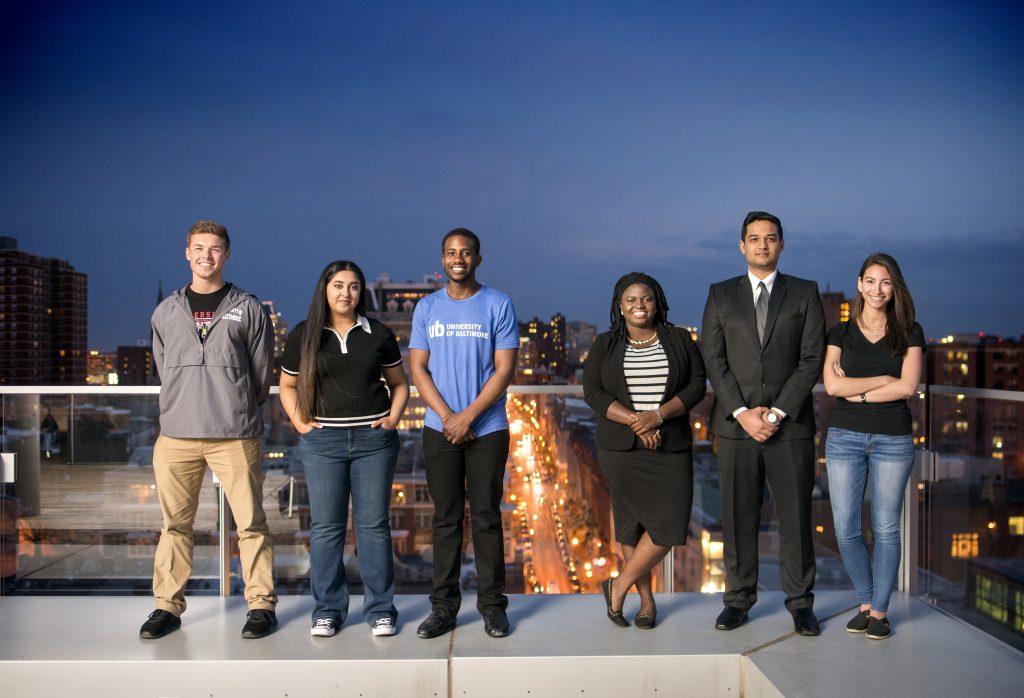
863 397
772 417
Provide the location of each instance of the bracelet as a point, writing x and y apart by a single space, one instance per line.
661 420
863 397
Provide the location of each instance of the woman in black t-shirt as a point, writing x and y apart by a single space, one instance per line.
872 365
331 390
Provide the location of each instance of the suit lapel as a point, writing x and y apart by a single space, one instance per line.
774 306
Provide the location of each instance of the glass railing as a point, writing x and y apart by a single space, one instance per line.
83 516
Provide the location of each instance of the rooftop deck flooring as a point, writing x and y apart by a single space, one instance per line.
559 646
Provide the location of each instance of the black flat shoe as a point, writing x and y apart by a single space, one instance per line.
730 618
646 621
614 616
159 623
806 623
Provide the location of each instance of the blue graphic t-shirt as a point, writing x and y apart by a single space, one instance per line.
462 337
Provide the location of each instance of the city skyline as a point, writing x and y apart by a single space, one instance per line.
580 144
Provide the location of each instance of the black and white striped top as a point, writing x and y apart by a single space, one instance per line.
646 371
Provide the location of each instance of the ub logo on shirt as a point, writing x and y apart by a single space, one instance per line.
435 330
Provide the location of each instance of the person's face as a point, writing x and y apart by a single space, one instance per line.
460 259
206 255
875 287
343 291
638 306
762 246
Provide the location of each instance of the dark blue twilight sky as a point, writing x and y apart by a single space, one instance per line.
581 140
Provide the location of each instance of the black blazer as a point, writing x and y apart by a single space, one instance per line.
604 382
782 372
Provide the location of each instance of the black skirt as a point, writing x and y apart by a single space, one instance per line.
651 491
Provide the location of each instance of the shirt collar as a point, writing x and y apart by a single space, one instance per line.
360 320
768 281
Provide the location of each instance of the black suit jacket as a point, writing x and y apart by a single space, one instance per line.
604 383
782 372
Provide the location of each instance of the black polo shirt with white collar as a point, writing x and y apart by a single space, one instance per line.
349 385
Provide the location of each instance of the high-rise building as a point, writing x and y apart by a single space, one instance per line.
43 319
836 306
135 365
100 368
542 352
392 302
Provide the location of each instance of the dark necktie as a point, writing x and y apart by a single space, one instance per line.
761 310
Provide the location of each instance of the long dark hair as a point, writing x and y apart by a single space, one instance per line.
316 319
618 326
899 312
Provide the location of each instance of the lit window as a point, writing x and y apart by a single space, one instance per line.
965 545
1015 525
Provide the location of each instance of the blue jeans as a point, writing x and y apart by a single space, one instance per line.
359 462
851 457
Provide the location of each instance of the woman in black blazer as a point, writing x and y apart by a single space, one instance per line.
643 377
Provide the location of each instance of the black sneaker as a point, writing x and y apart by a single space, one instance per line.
259 623
159 624
859 623
878 628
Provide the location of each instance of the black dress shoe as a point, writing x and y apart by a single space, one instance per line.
496 623
730 618
260 622
437 623
614 616
160 623
805 622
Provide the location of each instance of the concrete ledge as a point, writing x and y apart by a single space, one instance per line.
560 646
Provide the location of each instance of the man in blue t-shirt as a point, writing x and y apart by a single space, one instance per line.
463 357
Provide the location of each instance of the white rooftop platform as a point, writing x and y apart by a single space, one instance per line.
560 646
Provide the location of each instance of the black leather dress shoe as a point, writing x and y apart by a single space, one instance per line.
496 623
730 618
805 622
259 622
437 623
159 623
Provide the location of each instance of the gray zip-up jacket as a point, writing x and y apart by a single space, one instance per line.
213 389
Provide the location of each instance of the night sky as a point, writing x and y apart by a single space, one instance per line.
580 140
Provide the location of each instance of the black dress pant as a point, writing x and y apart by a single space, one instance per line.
473 471
744 465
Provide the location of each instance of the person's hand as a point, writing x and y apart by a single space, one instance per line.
651 440
306 427
387 423
456 427
838 370
753 422
645 422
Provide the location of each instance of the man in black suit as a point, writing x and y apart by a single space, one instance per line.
763 345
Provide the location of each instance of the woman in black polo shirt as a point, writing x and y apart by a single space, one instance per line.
872 365
331 389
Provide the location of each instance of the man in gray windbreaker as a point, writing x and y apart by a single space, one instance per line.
213 348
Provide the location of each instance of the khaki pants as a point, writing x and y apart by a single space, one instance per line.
179 466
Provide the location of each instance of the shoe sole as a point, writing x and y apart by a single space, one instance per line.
878 637
322 633
856 631
383 632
